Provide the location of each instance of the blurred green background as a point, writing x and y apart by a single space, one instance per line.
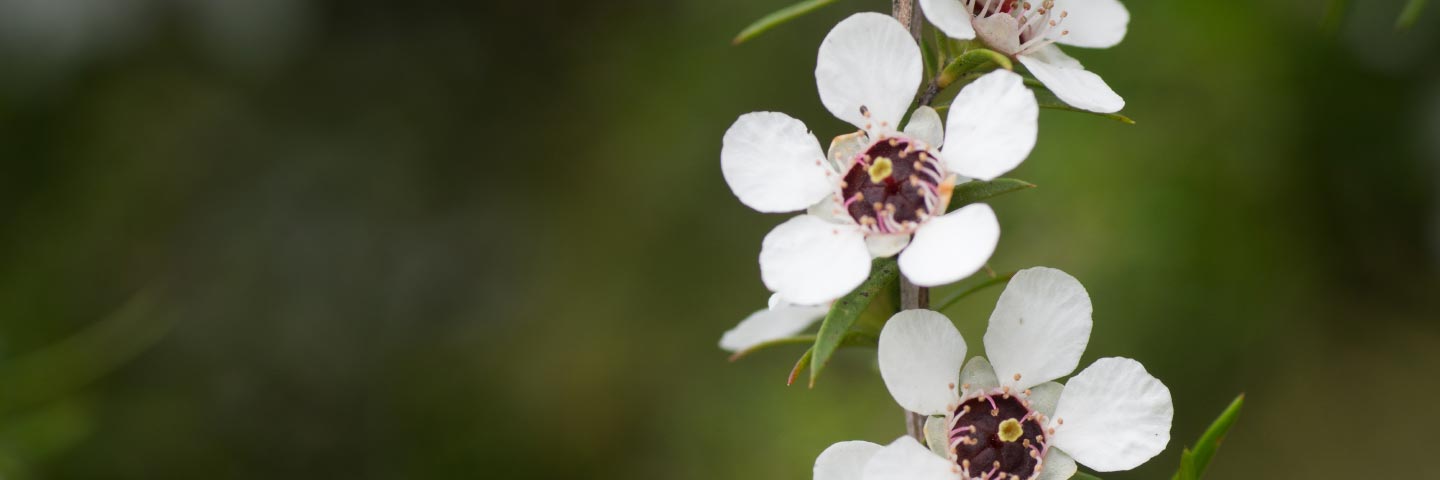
367 239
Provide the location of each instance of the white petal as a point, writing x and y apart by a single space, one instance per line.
925 126
977 376
845 460
1058 466
951 247
1070 81
882 246
773 163
1039 328
1093 23
831 210
1116 416
844 149
810 261
906 459
950 16
868 63
920 354
992 126
770 324
1044 397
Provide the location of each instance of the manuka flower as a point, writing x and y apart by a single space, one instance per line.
1028 32
878 186
1010 420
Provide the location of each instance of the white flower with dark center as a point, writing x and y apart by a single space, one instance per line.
878 186
1006 418
1029 31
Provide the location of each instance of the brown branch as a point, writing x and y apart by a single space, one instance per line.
912 296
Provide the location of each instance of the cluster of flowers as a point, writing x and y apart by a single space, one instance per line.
884 191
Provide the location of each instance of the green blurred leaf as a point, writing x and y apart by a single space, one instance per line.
780 16
1047 99
1334 15
1084 476
1410 14
1193 463
85 356
852 339
884 276
978 191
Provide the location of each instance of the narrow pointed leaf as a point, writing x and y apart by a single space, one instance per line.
884 275
1194 461
853 339
801 365
780 16
979 191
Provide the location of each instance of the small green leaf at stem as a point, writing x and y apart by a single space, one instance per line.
1410 14
1193 462
777 18
978 190
884 275
989 282
973 62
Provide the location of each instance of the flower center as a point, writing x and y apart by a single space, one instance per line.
1017 27
893 186
997 436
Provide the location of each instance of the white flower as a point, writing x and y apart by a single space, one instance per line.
782 319
1011 420
1029 31
878 186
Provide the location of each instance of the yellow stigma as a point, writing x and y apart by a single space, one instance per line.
880 169
1010 430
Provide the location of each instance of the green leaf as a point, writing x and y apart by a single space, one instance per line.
1047 99
853 339
1410 14
931 58
801 365
977 191
1084 476
972 63
85 356
884 276
780 16
1194 462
